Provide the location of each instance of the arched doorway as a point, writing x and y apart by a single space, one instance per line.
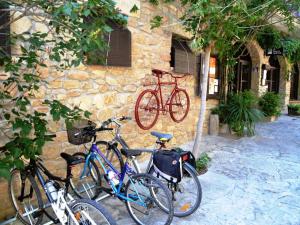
294 83
273 75
243 69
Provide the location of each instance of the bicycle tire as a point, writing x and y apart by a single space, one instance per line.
174 101
138 118
91 188
130 207
188 171
98 210
35 189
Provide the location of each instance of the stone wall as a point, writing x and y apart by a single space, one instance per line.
112 91
258 59
284 82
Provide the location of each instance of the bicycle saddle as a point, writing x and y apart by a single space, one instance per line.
157 72
131 152
162 136
71 160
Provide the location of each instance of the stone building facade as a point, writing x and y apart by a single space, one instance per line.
112 91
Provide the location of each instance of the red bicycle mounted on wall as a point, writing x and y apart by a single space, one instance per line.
150 102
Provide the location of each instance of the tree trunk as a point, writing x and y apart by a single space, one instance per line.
196 148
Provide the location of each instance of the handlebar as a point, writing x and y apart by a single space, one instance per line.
115 120
92 131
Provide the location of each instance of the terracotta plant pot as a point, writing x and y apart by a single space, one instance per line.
224 128
270 118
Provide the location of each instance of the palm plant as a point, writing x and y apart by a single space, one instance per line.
241 113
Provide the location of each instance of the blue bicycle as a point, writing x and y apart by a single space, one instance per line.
143 194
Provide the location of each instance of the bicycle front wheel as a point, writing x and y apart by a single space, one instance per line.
86 211
143 205
179 105
147 109
26 197
86 179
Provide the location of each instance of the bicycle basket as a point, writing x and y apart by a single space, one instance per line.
77 133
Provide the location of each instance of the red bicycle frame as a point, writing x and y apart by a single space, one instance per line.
150 102
159 74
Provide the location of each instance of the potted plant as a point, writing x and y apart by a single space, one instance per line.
202 163
270 105
294 109
241 113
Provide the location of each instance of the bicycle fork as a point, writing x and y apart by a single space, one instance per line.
60 207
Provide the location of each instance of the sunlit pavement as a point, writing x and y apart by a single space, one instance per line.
252 180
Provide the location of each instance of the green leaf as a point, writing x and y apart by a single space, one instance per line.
5 172
156 22
134 9
16 152
86 12
19 164
87 114
67 9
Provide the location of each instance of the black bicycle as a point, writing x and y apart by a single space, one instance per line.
29 204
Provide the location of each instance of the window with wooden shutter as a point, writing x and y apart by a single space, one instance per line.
5 50
182 58
118 52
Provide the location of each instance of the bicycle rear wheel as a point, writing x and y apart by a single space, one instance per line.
90 212
85 183
147 109
186 195
29 208
142 203
179 105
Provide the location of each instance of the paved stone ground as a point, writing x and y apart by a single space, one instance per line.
251 181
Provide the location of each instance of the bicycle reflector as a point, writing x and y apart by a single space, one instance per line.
185 157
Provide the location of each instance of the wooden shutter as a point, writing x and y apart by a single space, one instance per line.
119 52
184 59
5 49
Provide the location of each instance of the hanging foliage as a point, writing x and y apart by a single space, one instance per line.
65 21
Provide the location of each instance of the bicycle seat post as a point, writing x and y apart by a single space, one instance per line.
162 144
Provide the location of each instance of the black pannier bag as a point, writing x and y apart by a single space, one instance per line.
168 164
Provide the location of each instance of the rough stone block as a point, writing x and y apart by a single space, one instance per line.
71 84
214 124
78 75
55 84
